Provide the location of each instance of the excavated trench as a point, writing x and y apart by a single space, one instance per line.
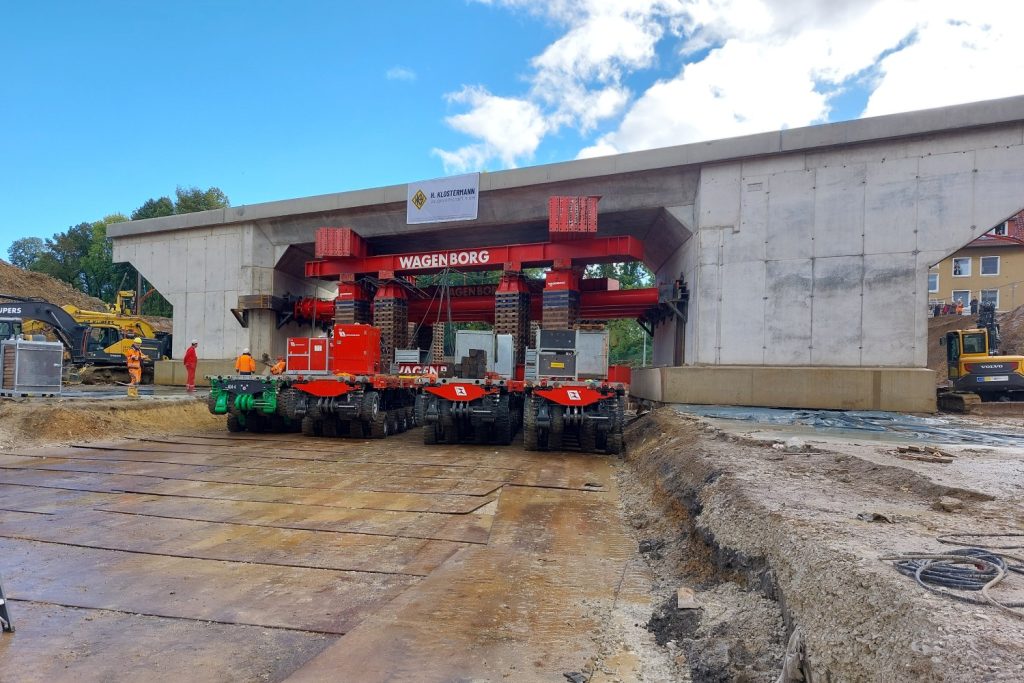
787 577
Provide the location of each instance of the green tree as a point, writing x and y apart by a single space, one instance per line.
625 337
62 255
154 208
24 252
102 277
191 199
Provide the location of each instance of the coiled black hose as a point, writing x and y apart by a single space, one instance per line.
962 574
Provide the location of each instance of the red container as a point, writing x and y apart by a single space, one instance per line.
339 243
619 374
307 354
355 350
572 217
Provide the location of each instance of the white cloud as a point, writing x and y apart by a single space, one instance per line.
508 129
751 66
400 73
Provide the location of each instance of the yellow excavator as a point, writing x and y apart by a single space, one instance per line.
976 370
95 340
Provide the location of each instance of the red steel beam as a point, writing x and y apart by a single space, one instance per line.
512 257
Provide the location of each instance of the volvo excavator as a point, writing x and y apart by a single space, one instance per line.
976 370
94 341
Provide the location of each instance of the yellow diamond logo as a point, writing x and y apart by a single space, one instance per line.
419 199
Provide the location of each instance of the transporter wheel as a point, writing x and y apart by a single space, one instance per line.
481 430
530 426
211 401
311 426
235 423
451 434
355 429
420 407
588 436
430 434
255 423
329 426
503 430
557 431
380 425
288 402
411 417
614 445
370 407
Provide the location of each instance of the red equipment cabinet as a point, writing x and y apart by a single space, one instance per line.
355 350
307 354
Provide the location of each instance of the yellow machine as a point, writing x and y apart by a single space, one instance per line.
96 340
975 370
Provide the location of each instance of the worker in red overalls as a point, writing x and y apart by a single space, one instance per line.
191 360
133 357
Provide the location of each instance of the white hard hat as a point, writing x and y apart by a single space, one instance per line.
245 350
194 342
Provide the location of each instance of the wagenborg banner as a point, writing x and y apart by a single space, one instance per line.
444 199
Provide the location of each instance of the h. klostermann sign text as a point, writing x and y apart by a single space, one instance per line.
444 199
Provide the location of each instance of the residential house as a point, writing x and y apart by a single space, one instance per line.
991 268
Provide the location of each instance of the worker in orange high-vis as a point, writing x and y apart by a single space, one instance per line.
245 365
133 356
279 367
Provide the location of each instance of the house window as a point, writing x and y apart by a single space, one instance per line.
963 295
990 265
1000 229
933 283
990 296
962 267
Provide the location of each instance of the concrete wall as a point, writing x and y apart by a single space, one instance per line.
202 272
904 389
820 258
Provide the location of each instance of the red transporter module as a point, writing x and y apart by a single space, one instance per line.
352 398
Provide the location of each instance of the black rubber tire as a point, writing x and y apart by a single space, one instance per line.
311 426
557 432
288 402
451 434
614 445
355 429
503 431
481 430
370 406
255 423
530 426
588 436
410 417
235 423
430 434
379 425
329 427
420 408
211 401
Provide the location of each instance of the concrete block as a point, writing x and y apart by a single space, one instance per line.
839 210
790 215
828 388
836 311
172 372
892 283
864 153
964 141
705 314
719 196
787 336
741 335
890 206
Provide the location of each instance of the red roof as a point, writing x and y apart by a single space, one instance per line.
1014 236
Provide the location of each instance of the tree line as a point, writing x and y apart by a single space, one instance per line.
82 255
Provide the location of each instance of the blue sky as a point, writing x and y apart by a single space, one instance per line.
106 104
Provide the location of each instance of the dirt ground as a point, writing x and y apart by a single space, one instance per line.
37 422
784 524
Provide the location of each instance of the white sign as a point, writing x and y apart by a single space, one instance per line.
443 259
444 199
